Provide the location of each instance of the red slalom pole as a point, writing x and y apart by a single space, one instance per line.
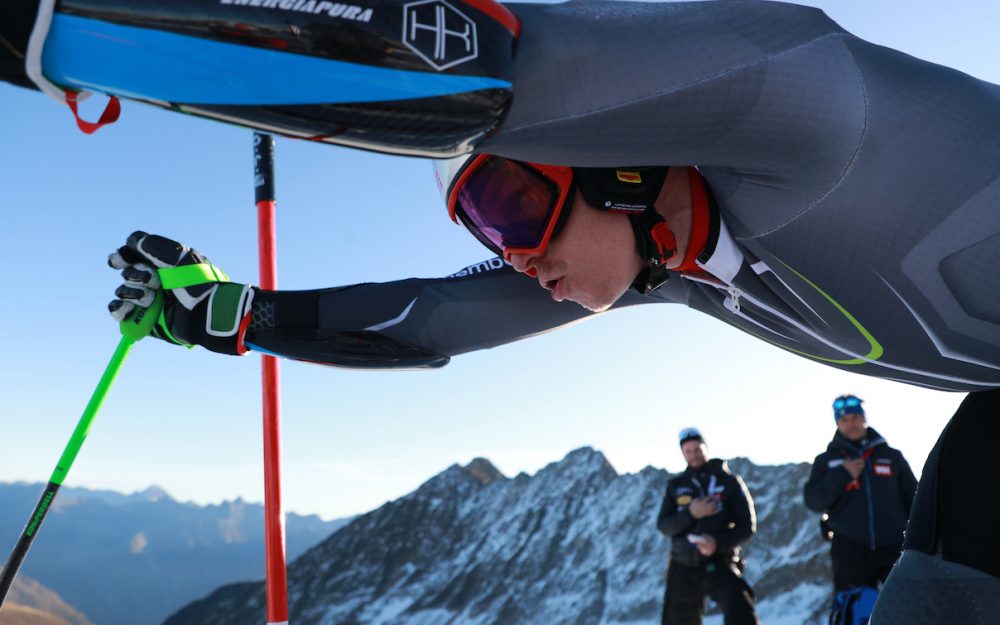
274 515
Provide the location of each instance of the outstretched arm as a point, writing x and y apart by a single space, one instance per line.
414 322
402 324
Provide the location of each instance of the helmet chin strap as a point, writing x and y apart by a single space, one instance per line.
656 245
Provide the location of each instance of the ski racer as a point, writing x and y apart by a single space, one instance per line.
828 195
866 488
707 513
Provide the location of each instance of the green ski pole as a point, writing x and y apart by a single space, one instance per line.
134 328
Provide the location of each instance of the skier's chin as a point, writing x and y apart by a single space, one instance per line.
593 304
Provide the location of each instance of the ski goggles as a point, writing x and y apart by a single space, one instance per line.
511 207
846 405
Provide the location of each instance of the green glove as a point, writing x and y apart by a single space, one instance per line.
200 305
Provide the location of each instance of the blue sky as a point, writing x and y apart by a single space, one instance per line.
190 420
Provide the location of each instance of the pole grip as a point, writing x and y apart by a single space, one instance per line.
263 167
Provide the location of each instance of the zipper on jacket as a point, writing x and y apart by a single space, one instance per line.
871 515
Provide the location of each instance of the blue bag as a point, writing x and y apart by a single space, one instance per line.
853 606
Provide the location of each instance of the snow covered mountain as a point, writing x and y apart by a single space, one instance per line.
135 559
574 544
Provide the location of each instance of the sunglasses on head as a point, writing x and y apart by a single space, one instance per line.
511 207
846 402
689 433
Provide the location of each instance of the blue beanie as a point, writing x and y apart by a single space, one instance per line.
847 404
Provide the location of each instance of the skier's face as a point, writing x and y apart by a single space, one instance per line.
694 453
592 261
852 426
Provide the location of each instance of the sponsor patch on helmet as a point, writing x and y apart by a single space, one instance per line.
631 177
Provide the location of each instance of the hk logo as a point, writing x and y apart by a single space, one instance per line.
439 33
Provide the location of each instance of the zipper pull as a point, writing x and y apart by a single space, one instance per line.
734 296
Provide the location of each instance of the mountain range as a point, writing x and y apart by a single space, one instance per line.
574 544
134 559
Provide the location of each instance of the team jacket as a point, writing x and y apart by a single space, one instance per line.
732 526
873 510
858 193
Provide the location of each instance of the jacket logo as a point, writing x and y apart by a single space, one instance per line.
439 33
883 469
683 500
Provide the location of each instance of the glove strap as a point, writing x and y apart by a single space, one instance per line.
191 275
228 307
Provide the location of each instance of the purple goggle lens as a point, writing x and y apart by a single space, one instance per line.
507 206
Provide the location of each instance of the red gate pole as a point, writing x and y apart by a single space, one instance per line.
274 516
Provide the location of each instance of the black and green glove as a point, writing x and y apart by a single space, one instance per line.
200 305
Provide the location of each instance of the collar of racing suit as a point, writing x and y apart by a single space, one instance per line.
712 255
702 219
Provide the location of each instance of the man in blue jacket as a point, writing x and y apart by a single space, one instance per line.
866 488
707 512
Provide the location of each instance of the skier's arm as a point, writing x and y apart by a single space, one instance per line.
391 323
825 487
742 517
672 519
402 324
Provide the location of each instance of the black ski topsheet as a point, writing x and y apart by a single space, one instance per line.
427 78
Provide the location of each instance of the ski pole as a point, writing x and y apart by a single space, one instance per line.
133 328
276 574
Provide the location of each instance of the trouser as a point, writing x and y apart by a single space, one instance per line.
956 510
856 565
684 601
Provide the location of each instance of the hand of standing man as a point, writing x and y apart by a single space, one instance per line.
708 546
854 466
704 506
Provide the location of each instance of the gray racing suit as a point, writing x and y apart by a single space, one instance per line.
857 198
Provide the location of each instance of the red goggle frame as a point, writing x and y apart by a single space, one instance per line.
511 207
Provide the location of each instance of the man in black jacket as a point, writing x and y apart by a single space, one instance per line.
866 488
707 512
